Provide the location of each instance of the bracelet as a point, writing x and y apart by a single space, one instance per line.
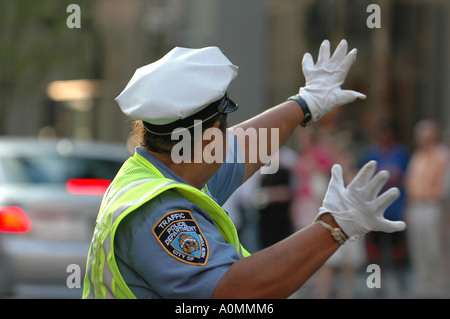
337 233
307 116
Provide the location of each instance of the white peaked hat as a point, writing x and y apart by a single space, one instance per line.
183 85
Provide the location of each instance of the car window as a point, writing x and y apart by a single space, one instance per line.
57 169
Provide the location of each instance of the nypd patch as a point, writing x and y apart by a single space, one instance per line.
180 236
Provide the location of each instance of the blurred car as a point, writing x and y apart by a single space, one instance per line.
50 194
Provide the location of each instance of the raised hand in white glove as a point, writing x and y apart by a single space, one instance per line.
358 209
322 91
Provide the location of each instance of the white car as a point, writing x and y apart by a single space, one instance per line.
50 193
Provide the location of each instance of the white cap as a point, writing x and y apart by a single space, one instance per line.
180 84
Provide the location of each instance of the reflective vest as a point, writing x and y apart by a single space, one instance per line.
137 182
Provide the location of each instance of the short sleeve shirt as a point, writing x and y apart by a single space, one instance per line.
170 247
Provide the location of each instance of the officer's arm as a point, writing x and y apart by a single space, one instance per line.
281 119
279 270
322 93
276 272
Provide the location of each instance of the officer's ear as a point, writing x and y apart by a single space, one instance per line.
216 124
213 130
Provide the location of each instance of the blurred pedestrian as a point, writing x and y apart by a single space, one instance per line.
244 214
311 175
336 278
425 189
446 222
390 250
273 200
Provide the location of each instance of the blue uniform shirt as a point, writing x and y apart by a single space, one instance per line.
153 271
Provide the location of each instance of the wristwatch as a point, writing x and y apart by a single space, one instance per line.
307 116
336 232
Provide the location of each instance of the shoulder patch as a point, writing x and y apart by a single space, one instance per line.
179 234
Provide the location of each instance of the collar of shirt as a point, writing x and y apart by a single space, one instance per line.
167 172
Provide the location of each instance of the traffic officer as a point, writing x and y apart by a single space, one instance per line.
161 231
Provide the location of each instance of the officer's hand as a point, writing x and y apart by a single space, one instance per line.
358 209
322 90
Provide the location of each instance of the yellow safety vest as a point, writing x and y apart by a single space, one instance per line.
137 182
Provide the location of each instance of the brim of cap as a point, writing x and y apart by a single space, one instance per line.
230 106
225 106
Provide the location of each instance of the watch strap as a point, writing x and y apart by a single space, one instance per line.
307 116
336 232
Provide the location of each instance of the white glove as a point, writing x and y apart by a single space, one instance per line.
358 209
322 91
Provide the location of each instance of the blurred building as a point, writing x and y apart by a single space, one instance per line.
403 66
